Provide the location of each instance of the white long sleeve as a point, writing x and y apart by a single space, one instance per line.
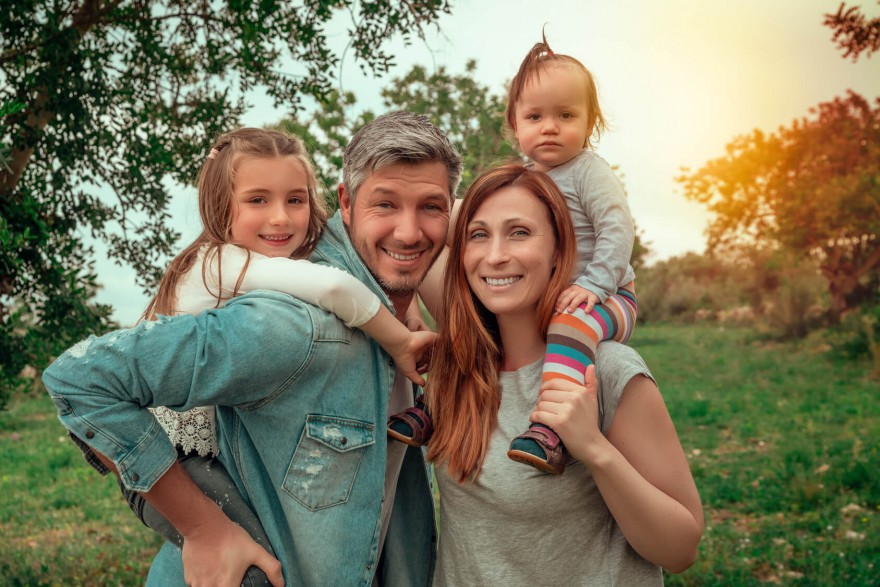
329 288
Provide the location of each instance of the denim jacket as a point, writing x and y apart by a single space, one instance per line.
302 405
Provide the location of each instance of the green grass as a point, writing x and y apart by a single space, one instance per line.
783 442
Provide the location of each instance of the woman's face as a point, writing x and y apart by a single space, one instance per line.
509 252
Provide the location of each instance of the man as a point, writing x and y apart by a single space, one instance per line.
302 399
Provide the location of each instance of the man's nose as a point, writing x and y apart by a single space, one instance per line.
408 230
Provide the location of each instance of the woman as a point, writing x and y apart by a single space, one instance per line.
627 504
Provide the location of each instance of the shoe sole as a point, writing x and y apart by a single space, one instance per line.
528 458
407 440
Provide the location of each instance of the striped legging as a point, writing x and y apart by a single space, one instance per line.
572 338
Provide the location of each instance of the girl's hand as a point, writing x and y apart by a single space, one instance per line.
413 356
573 296
220 552
572 411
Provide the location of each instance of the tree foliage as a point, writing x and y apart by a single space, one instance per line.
108 102
469 112
812 188
854 34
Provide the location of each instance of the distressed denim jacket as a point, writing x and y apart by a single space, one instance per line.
302 405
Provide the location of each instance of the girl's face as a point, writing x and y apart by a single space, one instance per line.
270 205
552 116
509 252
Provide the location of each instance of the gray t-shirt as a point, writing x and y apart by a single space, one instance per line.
602 222
518 526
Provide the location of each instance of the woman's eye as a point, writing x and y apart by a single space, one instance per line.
259 200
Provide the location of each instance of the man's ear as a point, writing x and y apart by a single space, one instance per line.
344 204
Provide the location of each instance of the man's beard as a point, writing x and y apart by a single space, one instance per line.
400 284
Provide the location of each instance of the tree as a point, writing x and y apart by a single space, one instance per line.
812 188
121 99
854 33
470 113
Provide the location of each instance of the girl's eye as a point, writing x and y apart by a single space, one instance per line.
533 117
566 115
258 200
295 200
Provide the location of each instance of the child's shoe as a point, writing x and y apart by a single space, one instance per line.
413 426
539 447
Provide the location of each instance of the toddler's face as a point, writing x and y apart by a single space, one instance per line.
271 205
552 117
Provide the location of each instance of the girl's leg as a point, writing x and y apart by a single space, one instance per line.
571 348
215 482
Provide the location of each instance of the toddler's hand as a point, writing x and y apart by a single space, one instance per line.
573 296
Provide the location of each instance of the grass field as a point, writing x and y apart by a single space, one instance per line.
783 440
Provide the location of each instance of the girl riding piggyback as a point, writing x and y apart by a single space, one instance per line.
554 116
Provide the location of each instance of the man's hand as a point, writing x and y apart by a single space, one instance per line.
219 552
573 296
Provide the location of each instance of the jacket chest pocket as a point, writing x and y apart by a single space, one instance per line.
326 461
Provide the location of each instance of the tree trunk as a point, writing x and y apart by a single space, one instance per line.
38 116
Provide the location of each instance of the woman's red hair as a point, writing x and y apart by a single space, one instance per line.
463 390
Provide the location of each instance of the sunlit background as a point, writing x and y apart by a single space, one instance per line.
678 80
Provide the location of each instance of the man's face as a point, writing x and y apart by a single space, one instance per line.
398 222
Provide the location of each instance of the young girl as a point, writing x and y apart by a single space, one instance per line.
553 112
260 211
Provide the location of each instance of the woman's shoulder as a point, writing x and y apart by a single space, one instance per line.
616 365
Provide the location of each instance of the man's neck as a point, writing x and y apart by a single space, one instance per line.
401 303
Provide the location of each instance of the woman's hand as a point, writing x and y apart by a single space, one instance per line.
219 552
572 411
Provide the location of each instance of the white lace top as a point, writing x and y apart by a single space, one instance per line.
329 288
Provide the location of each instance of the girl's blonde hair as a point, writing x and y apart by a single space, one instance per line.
464 393
538 58
216 206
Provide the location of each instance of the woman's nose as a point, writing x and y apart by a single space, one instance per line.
498 252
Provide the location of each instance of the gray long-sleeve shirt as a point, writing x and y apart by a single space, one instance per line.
602 223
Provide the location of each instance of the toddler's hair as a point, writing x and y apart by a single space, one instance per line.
539 57
216 205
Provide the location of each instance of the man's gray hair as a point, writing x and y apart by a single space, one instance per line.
397 137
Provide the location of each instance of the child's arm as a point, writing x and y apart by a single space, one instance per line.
333 290
604 202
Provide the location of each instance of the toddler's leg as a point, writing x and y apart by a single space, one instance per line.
215 482
571 348
572 338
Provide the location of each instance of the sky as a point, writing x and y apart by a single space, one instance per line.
678 80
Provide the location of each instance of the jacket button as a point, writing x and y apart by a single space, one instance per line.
344 441
391 363
135 477
370 566
90 433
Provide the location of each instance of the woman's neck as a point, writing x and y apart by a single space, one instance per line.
521 341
